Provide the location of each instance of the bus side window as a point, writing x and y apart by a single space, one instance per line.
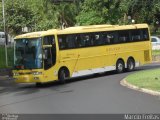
77 41
105 39
112 37
70 41
145 34
67 41
136 35
96 40
85 40
62 42
123 36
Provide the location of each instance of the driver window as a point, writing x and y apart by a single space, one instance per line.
49 54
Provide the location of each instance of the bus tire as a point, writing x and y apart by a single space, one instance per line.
63 75
130 64
120 66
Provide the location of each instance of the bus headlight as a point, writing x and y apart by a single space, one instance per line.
36 73
15 74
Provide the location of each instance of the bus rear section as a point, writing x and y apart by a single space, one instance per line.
117 48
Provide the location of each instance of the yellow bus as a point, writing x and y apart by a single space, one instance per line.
77 51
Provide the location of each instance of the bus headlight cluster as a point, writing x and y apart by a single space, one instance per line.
36 73
15 74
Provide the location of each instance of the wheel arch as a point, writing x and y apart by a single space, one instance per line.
64 68
120 59
131 57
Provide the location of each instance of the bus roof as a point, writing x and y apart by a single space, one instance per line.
95 28
37 34
81 29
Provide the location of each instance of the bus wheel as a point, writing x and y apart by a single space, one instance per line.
63 75
130 64
120 66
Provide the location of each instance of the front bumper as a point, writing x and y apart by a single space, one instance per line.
28 78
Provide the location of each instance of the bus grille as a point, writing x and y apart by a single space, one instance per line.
146 55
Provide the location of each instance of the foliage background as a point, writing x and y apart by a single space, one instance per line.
40 15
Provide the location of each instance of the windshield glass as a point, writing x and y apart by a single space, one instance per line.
28 53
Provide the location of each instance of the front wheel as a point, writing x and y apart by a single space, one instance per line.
63 75
120 66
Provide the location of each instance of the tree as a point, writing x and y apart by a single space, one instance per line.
18 15
100 12
1 17
64 11
47 14
92 12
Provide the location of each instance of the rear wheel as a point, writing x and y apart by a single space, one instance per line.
130 65
63 75
120 66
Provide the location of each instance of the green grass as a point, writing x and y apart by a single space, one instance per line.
10 52
155 52
149 79
10 56
2 57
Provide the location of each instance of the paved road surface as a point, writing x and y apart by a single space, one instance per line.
93 94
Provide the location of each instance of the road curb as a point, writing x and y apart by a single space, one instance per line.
128 85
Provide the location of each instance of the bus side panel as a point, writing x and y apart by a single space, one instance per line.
140 51
68 58
93 60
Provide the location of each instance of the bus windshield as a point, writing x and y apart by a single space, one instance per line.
28 53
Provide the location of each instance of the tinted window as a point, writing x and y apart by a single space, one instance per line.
112 37
85 40
70 41
62 42
96 39
48 40
123 36
135 35
145 34
104 39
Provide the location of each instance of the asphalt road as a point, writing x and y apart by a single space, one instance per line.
93 94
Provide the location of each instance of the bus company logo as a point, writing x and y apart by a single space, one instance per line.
114 49
9 117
